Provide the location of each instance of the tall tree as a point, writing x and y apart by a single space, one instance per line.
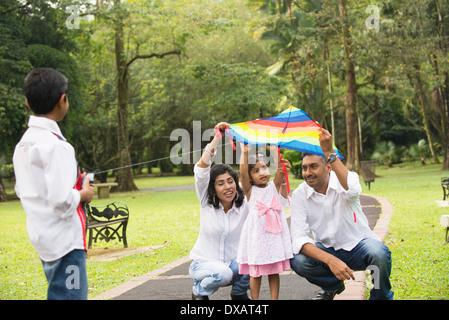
419 37
352 135
306 34
441 27
31 35
125 177
124 19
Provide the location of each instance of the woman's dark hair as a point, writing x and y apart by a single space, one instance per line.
43 88
215 171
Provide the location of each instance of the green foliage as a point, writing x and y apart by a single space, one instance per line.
387 153
240 60
391 65
420 151
30 36
296 162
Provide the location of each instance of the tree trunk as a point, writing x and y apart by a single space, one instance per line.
3 195
124 178
352 158
444 92
446 122
424 113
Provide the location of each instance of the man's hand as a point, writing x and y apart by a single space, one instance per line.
326 142
340 269
337 166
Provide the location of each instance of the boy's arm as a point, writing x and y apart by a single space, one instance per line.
59 174
244 174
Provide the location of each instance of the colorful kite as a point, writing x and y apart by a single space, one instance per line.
291 129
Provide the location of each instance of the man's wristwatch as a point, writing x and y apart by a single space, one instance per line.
332 157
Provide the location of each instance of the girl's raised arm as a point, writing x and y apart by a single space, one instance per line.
244 174
279 178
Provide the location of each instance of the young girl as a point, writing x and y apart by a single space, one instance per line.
265 246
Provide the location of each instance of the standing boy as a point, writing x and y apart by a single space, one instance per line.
48 183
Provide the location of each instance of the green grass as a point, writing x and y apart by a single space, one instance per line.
416 238
171 220
168 219
160 182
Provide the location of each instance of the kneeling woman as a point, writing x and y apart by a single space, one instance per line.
223 211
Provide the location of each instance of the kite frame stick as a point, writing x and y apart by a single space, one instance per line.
282 156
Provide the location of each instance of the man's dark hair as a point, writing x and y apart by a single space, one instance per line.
305 154
215 171
43 88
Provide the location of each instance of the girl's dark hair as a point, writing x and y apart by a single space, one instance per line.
253 159
215 171
43 88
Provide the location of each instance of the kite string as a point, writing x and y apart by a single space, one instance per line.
150 161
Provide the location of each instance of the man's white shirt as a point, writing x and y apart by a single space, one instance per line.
335 219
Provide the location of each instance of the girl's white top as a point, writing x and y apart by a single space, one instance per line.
259 245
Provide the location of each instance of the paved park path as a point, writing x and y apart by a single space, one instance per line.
172 282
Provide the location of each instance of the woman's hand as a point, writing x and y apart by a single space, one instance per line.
210 148
221 126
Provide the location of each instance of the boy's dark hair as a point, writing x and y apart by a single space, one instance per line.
215 171
43 88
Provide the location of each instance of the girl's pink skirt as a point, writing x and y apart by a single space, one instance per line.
256 271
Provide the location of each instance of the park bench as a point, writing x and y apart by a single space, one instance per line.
445 186
101 218
368 172
103 189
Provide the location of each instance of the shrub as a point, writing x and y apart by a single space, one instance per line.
420 151
386 153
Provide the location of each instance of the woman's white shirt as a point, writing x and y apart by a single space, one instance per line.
219 235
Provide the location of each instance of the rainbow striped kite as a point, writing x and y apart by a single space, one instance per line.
291 129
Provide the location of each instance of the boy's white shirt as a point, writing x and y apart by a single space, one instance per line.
46 172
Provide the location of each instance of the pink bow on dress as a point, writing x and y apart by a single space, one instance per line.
272 222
